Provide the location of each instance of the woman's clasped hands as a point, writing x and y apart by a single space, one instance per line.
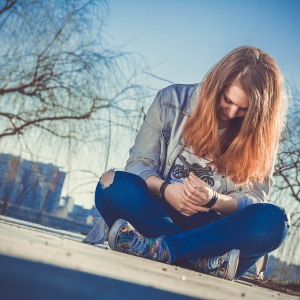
188 198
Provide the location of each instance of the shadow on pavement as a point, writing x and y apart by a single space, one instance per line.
23 279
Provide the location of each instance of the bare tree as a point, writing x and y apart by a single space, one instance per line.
57 73
286 191
64 90
287 169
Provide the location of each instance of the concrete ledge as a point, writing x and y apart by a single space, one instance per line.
44 263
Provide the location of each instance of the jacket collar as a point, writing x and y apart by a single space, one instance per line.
192 101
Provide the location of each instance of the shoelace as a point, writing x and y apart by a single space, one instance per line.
139 246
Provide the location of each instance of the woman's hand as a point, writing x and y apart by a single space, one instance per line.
196 190
176 195
200 193
188 200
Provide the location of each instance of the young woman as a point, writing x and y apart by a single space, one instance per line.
200 172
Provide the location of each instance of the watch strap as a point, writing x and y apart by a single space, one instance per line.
212 201
162 190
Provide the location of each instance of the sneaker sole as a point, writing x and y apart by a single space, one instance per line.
233 264
111 237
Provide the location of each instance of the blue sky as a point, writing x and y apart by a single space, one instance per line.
182 39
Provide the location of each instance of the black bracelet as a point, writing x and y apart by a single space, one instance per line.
162 190
212 201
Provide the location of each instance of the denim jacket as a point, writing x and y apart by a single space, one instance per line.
159 142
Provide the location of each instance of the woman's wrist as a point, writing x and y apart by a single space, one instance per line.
162 190
212 201
225 204
154 184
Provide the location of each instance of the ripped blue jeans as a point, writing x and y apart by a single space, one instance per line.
256 230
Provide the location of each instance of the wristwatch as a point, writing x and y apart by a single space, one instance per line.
212 201
162 190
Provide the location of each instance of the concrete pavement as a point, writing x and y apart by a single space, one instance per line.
38 262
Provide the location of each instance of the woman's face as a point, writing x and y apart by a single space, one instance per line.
233 104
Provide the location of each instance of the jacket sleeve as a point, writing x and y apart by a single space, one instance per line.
145 154
255 193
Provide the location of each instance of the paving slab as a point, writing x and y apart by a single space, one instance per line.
38 262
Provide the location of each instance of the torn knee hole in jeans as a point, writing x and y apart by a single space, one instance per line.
107 179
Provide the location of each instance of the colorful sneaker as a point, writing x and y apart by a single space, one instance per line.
224 266
124 238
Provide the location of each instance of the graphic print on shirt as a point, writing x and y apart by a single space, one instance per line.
187 162
183 170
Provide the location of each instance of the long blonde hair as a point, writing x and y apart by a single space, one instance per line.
248 147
